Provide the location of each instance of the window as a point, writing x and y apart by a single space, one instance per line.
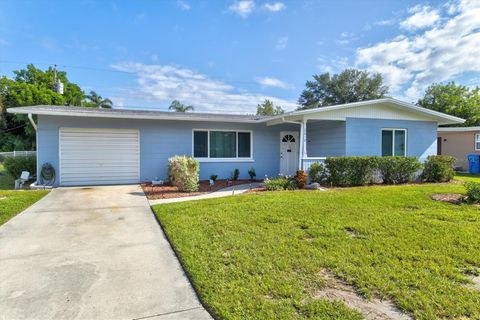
477 142
394 142
225 144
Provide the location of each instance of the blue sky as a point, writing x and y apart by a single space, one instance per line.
227 56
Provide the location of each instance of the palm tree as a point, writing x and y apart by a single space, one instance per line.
177 106
98 101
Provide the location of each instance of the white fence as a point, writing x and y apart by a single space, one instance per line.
18 154
307 162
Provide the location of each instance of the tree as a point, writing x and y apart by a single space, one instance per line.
177 106
453 99
95 100
268 109
351 85
31 86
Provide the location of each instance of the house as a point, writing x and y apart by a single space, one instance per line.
88 146
459 142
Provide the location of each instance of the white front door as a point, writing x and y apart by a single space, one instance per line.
288 152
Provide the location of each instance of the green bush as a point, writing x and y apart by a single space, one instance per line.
235 174
252 174
317 173
396 170
15 165
473 191
350 171
280 183
183 173
439 169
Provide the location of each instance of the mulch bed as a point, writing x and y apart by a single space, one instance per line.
454 198
168 191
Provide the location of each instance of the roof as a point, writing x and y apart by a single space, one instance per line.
133 114
458 129
348 110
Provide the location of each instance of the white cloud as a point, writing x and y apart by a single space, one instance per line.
184 5
282 43
164 83
242 7
272 82
388 22
274 6
421 18
437 54
333 65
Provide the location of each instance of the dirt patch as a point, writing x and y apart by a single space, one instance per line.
350 232
374 309
168 192
454 198
475 282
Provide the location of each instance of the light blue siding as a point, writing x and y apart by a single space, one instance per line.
326 138
364 136
160 140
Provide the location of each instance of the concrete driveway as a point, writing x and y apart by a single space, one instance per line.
91 253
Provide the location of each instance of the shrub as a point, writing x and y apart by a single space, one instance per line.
300 179
183 173
280 183
252 173
15 165
317 173
395 170
350 171
213 177
235 174
439 169
473 191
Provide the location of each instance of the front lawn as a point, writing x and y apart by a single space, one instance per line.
263 256
467 177
14 202
6 182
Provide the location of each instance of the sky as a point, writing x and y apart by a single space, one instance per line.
228 56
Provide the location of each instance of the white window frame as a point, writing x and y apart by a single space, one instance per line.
393 139
477 140
236 159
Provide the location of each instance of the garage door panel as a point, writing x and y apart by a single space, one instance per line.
99 156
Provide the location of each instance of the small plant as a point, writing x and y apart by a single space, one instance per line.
473 191
252 174
280 183
300 179
183 173
15 165
235 174
317 173
439 169
213 177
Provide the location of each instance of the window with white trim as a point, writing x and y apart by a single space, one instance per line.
477 141
394 142
222 144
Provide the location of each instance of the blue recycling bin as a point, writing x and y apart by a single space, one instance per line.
474 163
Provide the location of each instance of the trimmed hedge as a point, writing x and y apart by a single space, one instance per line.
396 170
439 169
15 165
183 173
318 173
350 171
473 191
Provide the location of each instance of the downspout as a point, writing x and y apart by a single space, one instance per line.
34 125
300 147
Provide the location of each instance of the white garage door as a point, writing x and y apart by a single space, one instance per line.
99 156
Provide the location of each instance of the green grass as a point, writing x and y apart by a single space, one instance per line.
467 177
259 256
14 202
6 182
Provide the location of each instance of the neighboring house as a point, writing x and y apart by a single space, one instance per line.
88 146
459 142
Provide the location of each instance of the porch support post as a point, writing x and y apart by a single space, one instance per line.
303 143
304 148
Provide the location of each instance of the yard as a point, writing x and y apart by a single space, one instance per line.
269 255
13 202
